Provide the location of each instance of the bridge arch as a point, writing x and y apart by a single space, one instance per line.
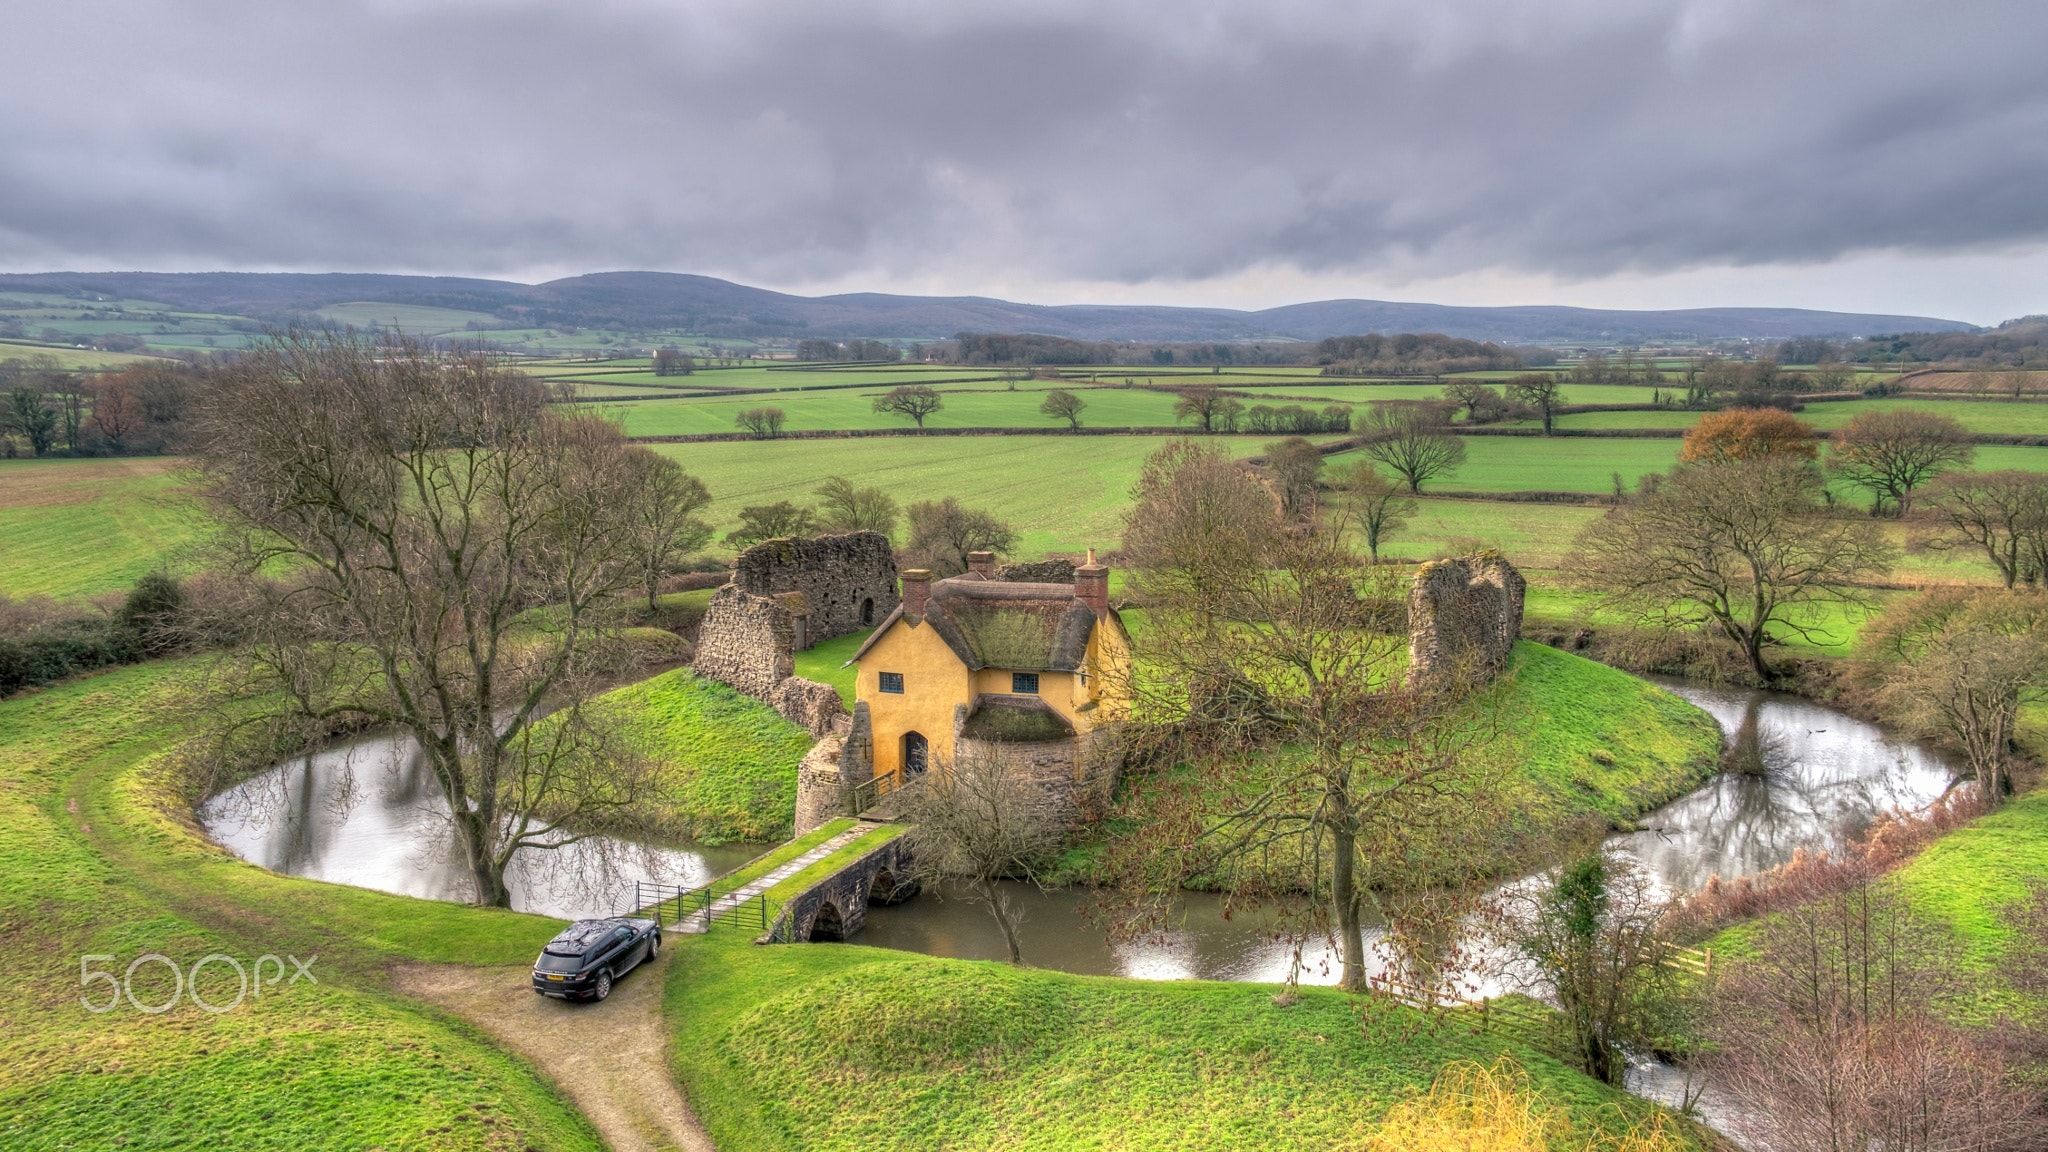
827 924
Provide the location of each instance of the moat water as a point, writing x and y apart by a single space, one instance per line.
368 812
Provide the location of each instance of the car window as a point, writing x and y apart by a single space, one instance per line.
554 962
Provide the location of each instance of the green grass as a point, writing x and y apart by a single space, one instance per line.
826 1047
95 860
413 318
77 528
1061 493
876 836
73 359
728 761
823 662
1835 627
1590 740
2024 418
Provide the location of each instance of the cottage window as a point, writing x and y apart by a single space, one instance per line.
1024 683
892 682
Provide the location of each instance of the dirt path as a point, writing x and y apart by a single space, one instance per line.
610 1058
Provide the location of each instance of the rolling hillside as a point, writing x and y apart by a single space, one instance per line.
718 307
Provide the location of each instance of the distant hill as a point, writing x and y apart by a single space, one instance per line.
710 306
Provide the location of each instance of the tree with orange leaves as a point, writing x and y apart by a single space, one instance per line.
1749 434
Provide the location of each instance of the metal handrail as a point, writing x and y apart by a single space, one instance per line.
866 795
650 896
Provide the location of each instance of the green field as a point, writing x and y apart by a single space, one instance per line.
824 1048
94 859
2020 418
1062 493
413 319
73 359
77 528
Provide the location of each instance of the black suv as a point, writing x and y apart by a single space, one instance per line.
587 956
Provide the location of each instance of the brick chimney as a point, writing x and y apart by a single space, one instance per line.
1091 586
917 588
982 564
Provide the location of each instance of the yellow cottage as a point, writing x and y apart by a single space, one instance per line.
972 662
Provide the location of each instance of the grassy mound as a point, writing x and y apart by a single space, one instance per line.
90 864
841 1047
1594 741
729 761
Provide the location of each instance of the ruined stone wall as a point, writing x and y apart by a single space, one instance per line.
1464 615
836 765
746 641
847 583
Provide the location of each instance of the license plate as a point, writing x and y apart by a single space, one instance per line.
552 976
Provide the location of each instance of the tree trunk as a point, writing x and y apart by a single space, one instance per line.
484 870
1344 898
1753 648
999 908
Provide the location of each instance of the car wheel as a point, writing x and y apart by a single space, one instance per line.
604 985
654 946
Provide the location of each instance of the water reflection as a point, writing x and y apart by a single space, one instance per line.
1808 776
369 812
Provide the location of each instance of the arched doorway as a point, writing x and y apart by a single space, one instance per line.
827 925
916 753
867 612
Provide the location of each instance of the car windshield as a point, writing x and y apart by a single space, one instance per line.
554 962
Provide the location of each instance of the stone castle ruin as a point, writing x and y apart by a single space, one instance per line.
785 596
1464 615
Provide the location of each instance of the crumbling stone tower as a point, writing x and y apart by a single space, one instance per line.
1464 615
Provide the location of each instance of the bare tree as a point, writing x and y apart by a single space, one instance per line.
1295 465
1201 404
1889 454
1742 547
1274 645
2003 514
116 413
981 820
1957 666
943 532
760 522
1371 505
843 507
916 401
1747 434
449 553
1540 391
673 362
1831 1037
764 423
660 505
1414 441
1061 404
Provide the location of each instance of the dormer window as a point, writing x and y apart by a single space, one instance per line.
1024 683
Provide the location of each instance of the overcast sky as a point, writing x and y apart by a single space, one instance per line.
1882 156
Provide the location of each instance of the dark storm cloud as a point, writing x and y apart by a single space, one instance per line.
787 141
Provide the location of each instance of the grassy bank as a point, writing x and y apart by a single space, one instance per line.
92 862
826 1047
727 761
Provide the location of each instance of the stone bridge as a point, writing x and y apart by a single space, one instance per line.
836 907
